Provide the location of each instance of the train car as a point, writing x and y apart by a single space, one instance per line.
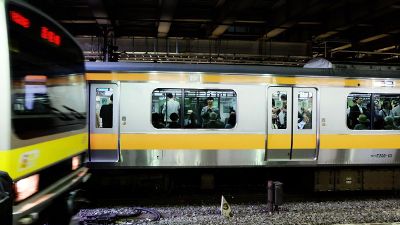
43 135
201 115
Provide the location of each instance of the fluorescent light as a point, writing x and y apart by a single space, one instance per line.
373 38
341 47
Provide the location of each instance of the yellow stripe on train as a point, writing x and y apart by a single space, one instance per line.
229 78
20 162
242 141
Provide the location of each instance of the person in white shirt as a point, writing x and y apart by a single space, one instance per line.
206 110
169 107
396 109
386 110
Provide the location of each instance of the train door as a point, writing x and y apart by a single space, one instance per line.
292 124
104 123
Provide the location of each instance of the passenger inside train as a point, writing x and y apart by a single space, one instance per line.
169 107
372 111
192 123
106 114
305 122
193 108
206 112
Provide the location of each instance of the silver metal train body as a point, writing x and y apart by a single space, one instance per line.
284 116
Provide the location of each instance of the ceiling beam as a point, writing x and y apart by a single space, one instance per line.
345 17
99 12
289 13
228 12
167 14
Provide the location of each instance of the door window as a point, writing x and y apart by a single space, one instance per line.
305 106
279 110
104 107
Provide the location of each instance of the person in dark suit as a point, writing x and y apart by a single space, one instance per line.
355 111
106 114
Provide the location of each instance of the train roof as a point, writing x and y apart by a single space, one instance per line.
238 69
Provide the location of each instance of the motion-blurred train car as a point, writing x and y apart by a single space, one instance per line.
43 134
199 115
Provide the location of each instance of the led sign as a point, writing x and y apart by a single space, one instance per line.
50 36
19 19
45 32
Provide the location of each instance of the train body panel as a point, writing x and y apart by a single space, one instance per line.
255 139
43 135
5 87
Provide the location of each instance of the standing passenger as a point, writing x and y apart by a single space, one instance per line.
170 106
396 109
386 109
106 114
282 116
355 111
206 110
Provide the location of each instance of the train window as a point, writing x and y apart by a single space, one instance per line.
47 75
210 109
304 118
279 107
166 108
104 108
373 111
194 108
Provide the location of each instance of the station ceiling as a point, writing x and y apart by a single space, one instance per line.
354 30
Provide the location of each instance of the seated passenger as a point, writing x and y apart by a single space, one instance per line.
231 121
389 125
207 110
156 121
213 122
363 123
174 121
193 121
305 122
396 122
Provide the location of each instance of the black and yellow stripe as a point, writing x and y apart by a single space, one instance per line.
25 160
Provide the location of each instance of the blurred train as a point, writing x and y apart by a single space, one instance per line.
242 116
43 135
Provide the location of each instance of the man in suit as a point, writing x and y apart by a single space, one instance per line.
355 111
106 114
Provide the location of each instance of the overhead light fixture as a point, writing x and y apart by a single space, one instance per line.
373 38
386 48
341 48
326 35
